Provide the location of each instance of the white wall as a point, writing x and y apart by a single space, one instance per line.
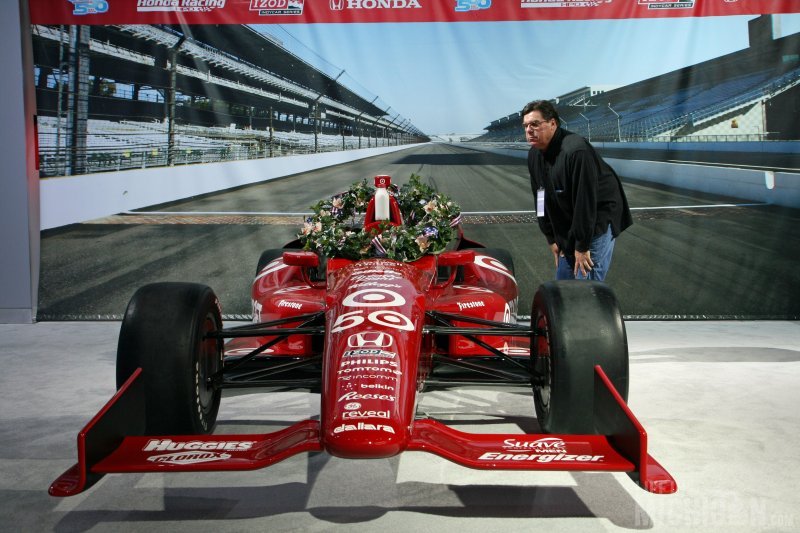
67 200
19 182
779 188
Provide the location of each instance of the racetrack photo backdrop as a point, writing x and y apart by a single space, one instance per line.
179 139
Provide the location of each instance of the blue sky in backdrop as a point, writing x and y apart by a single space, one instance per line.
458 77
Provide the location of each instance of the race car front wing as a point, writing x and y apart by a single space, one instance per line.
113 442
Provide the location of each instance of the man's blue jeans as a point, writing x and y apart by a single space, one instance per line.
601 248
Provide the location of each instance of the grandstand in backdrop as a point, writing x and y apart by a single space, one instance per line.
750 95
134 96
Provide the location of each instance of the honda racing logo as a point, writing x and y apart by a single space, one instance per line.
376 339
337 5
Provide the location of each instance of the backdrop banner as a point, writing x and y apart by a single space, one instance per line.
181 139
349 11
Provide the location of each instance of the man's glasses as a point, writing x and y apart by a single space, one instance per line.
536 124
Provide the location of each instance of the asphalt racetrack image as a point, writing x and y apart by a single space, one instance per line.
688 254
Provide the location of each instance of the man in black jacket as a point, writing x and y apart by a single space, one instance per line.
580 204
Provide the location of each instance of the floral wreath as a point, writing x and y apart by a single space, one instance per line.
430 222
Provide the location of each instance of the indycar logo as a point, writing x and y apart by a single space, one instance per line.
662 4
376 339
188 458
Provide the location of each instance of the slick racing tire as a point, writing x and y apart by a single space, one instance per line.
164 331
575 324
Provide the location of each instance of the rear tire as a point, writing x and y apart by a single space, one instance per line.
164 332
576 325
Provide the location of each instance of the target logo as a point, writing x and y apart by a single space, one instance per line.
373 297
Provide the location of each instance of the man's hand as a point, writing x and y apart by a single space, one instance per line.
583 263
556 252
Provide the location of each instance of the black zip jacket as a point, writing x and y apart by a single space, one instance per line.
583 194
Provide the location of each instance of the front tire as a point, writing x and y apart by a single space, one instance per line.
576 325
164 332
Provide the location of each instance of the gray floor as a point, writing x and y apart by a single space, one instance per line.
719 400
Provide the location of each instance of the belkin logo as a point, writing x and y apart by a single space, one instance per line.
338 5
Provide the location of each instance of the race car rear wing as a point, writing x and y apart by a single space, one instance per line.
113 442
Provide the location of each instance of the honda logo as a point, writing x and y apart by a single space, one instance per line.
337 5
374 339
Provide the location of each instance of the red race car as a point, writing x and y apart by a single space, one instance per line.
370 315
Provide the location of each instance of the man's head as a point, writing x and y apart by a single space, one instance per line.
540 120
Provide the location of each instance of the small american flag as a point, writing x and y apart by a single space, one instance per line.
379 249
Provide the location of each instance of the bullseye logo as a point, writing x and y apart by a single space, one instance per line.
374 298
382 317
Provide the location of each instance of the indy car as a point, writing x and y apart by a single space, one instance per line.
370 334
